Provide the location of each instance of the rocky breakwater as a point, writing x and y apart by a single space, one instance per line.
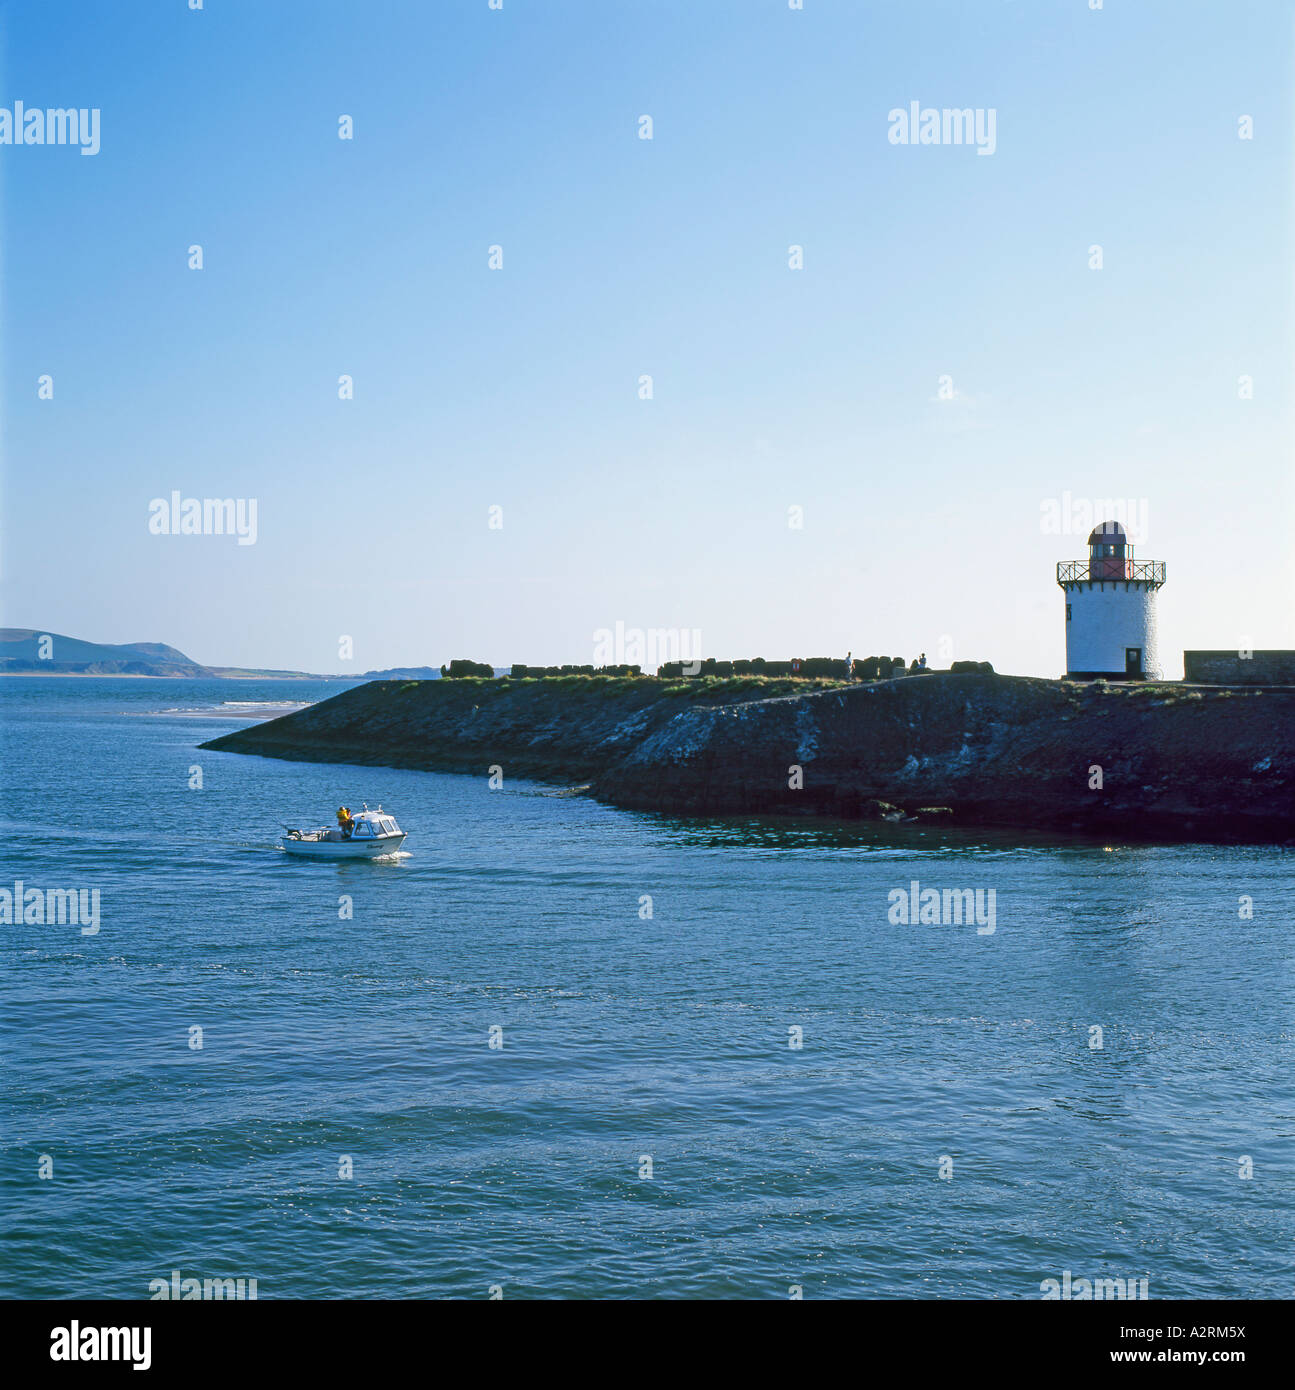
567 729
1144 761
1138 761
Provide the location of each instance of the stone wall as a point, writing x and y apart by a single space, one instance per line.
1230 668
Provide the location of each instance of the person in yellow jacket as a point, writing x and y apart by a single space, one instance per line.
344 819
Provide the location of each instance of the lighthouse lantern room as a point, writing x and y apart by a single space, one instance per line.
1111 610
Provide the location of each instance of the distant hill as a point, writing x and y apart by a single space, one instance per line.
21 654
24 649
408 673
234 673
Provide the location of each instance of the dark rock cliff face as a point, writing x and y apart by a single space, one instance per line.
971 749
566 730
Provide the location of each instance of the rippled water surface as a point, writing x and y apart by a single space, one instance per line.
626 1038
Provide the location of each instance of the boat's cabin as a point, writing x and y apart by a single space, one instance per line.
369 825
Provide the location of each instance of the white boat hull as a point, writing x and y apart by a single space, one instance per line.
375 848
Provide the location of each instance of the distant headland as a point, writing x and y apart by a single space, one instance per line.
26 651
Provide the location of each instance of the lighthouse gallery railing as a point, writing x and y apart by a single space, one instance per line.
1111 571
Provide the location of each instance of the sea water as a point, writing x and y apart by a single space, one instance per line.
561 1050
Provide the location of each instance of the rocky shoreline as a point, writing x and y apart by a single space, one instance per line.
1150 762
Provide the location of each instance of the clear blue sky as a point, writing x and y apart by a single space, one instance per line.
518 388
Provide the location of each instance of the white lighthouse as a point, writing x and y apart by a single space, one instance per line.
1111 610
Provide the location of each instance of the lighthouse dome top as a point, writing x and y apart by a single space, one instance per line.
1108 533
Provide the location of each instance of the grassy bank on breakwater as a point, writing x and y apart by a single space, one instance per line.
1172 762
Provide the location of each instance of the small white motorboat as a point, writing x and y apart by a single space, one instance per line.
367 835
